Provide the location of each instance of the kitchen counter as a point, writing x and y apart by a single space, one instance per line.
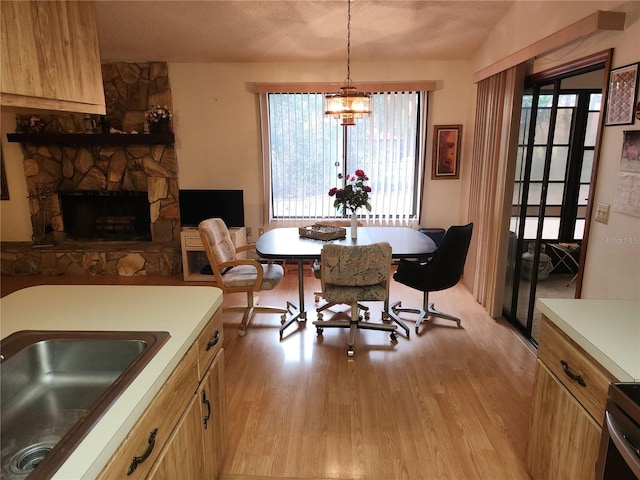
181 311
608 330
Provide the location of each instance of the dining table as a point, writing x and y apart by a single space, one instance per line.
288 244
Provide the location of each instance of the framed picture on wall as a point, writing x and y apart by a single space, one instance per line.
447 140
621 98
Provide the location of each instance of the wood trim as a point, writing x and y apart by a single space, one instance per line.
50 104
572 68
600 20
417 85
92 138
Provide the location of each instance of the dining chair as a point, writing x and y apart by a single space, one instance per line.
239 275
442 271
315 267
352 274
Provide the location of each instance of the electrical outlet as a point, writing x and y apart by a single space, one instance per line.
602 213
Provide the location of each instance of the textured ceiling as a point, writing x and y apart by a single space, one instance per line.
292 30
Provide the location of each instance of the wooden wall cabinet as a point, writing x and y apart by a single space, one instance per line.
181 433
50 58
569 397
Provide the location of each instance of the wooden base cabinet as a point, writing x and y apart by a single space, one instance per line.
564 439
569 396
181 433
195 449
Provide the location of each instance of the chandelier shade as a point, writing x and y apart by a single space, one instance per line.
349 104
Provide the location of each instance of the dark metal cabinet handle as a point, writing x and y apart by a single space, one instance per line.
571 375
205 420
138 460
213 342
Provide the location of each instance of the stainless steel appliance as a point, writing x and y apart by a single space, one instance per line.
619 457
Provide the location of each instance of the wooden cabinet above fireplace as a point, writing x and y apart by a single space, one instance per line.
92 139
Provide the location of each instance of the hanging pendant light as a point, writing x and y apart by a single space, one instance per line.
350 103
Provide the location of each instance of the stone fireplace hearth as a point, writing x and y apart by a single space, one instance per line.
121 168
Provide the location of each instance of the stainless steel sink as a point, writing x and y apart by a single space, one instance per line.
54 387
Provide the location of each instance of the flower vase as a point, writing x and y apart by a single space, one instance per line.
354 226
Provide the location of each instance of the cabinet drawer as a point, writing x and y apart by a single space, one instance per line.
161 416
194 241
209 343
565 359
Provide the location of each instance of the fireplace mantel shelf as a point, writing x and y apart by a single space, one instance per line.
92 139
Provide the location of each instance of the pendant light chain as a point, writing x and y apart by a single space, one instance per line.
349 104
348 42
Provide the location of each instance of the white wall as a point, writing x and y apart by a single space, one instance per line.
612 267
15 223
218 126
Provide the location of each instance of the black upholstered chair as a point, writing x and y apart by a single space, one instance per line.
443 270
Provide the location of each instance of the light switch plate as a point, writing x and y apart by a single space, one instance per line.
602 212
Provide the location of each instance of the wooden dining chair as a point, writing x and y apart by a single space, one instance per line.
239 275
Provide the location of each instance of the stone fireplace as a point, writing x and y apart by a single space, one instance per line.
107 173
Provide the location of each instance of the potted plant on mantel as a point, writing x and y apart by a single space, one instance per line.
159 118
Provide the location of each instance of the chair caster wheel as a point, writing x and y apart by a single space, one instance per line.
350 353
319 316
394 337
319 331
283 319
242 332
317 298
367 315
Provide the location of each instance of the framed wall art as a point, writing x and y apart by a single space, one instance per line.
621 98
447 140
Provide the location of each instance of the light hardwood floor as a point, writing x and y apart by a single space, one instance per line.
449 403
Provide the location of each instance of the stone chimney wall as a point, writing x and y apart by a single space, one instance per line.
130 88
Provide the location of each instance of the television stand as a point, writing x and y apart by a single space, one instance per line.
194 259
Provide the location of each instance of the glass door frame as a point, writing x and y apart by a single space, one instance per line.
601 60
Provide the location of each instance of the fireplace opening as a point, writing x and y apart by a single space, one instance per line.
102 215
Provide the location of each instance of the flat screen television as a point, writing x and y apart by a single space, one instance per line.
198 205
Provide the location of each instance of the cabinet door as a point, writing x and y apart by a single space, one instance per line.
50 58
564 439
182 456
212 409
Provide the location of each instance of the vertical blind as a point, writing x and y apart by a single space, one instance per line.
491 189
306 153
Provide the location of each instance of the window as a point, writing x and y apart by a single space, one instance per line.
575 120
307 153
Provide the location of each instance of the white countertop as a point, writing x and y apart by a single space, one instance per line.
181 311
608 330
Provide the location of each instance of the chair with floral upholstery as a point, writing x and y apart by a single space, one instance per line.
315 267
350 274
237 275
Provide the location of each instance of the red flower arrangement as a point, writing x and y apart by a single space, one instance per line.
354 195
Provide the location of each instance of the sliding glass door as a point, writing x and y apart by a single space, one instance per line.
556 143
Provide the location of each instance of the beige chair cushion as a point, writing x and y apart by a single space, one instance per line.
245 275
352 273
